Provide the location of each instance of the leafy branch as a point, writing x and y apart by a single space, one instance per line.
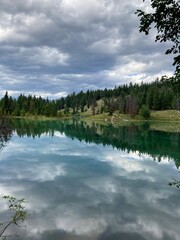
19 214
165 18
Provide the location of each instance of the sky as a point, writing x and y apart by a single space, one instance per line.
55 47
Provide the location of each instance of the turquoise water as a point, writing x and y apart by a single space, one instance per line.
92 182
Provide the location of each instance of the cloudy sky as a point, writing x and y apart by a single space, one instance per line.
54 47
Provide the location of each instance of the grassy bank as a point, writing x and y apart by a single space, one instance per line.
168 120
167 115
39 118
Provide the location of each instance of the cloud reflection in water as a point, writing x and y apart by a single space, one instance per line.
86 191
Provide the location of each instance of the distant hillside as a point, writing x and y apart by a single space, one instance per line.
132 99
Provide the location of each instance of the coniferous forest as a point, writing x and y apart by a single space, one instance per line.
162 94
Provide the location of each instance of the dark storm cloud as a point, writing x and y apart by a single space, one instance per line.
94 44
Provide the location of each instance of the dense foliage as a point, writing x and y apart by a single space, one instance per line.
165 18
159 95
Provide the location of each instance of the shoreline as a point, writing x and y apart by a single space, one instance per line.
168 120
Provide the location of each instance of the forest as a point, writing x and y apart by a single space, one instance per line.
162 94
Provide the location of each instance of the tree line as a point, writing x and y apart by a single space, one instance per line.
162 94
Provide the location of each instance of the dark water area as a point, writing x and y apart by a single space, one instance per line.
91 181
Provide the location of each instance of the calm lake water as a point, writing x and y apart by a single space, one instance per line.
92 182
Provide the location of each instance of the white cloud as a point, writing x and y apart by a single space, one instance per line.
107 46
42 173
46 56
61 46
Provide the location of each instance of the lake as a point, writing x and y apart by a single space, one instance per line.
92 181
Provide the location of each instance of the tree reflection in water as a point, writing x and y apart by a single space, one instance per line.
139 139
5 132
132 138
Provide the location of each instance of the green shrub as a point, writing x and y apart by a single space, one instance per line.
145 112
